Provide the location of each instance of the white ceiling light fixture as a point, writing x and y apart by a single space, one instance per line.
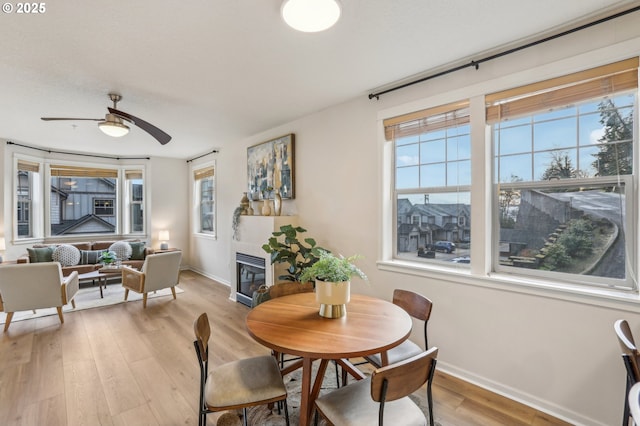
113 126
310 16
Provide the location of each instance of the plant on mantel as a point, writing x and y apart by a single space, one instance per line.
298 255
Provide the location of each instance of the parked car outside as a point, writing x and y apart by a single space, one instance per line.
445 246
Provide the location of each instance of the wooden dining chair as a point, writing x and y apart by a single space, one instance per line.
238 384
631 360
382 398
418 307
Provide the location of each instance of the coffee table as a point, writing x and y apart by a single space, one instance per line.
101 275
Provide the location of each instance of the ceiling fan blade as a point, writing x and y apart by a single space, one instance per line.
161 136
62 118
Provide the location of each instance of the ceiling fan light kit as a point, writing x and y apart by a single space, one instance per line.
310 15
113 126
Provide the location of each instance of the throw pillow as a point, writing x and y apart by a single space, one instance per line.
122 250
137 250
66 255
89 257
41 254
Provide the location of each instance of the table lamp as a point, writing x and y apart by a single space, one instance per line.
2 247
163 236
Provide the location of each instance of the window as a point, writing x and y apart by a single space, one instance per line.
555 174
27 174
82 200
204 196
103 207
135 201
563 176
79 200
432 153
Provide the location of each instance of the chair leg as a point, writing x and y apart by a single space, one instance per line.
126 294
59 309
144 300
173 291
8 320
73 303
626 415
244 416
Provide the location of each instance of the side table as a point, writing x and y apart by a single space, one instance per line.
170 249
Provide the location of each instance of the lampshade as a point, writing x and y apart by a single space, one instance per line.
113 126
2 244
310 15
163 235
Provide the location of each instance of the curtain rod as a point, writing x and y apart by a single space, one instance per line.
476 64
77 153
215 151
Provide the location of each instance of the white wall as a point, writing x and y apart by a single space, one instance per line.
556 352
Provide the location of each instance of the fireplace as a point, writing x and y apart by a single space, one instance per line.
252 266
250 275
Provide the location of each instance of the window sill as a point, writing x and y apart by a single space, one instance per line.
602 297
203 236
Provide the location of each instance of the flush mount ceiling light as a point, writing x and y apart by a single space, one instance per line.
310 16
113 126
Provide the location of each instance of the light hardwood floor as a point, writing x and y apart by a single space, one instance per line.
122 365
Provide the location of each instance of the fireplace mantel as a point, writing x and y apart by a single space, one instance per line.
253 232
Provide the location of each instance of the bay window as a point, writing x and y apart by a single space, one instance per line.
77 199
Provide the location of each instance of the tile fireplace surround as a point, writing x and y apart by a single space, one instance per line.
253 232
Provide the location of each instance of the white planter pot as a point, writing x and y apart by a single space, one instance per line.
333 298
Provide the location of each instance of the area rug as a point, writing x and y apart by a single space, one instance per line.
262 416
88 298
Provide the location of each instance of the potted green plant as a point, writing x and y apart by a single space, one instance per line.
108 257
332 275
295 254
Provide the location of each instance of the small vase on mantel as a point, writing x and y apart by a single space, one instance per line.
244 203
266 208
277 204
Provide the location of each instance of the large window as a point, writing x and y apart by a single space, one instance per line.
204 197
553 168
563 177
78 200
432 182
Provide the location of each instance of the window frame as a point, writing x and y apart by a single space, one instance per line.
437 119
481 271
40 203
199 173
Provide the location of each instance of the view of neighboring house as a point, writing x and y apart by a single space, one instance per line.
422 225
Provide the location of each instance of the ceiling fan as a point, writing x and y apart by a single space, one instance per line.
112 124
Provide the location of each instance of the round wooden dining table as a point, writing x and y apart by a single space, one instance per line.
292 325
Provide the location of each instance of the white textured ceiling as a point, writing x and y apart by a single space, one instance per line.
210 72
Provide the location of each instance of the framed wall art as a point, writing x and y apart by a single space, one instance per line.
270 168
